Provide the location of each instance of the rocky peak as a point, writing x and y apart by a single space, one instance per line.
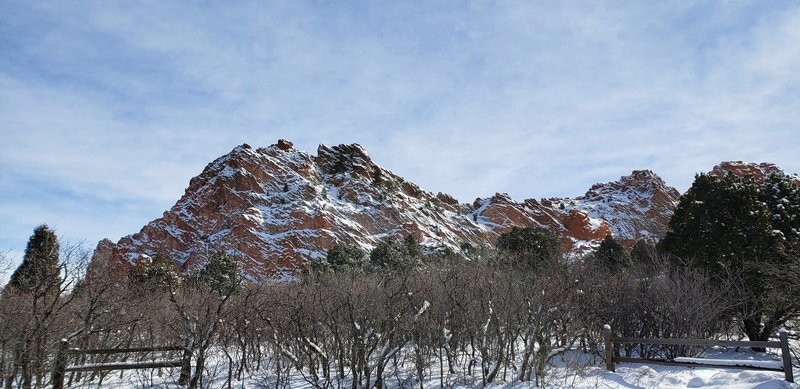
757 171
637 206
276 208
285 145
642 181
344 159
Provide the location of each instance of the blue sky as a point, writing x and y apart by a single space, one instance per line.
107 109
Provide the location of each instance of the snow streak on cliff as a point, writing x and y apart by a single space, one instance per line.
276 208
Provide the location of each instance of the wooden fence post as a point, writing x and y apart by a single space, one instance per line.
60 365
787 356
609 349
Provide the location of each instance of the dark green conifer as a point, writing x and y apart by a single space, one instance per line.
739 231
345 256
160 272
411 248
395 255
39 271
530 247
221 273
377 177
612 255
643 252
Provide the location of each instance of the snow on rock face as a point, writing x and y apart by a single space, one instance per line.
278 207
758 171
637 206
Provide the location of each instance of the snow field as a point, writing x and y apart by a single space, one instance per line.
571 369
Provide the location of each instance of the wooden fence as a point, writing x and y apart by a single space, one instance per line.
612 341
61 367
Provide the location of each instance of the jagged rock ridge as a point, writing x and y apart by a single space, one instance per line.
278 207
758 171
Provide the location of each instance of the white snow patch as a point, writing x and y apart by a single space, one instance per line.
255 215
732 362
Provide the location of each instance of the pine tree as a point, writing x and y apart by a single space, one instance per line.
612 255
221 273
721 224
643 252
39 271
160 272
344 256
531 247
781 194
377 177
739 230
405 255
37 281
386 254
411 248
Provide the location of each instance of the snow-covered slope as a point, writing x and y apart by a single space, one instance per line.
637 206
278 207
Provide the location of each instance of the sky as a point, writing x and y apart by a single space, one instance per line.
108 109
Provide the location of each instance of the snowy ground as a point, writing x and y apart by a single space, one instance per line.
643 376
574 370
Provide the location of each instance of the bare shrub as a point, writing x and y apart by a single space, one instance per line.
652 300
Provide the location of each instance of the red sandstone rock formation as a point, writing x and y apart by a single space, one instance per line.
276 208
637 206
757 171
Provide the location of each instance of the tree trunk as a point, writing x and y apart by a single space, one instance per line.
420 366
755 332
9 379
379 375
526 359
25 368
198 369
186 366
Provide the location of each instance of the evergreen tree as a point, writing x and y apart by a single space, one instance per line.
737 230
721 223
390 254
39 271
612 255
411 248
343 256
781 194
160 272
643 252
377 176
530 247
386 254
221 273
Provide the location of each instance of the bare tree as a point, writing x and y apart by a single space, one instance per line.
34 313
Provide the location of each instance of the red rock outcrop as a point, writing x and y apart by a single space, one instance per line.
758 171
637 206
276 208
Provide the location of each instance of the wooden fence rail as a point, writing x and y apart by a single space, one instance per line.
61 367
612 341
